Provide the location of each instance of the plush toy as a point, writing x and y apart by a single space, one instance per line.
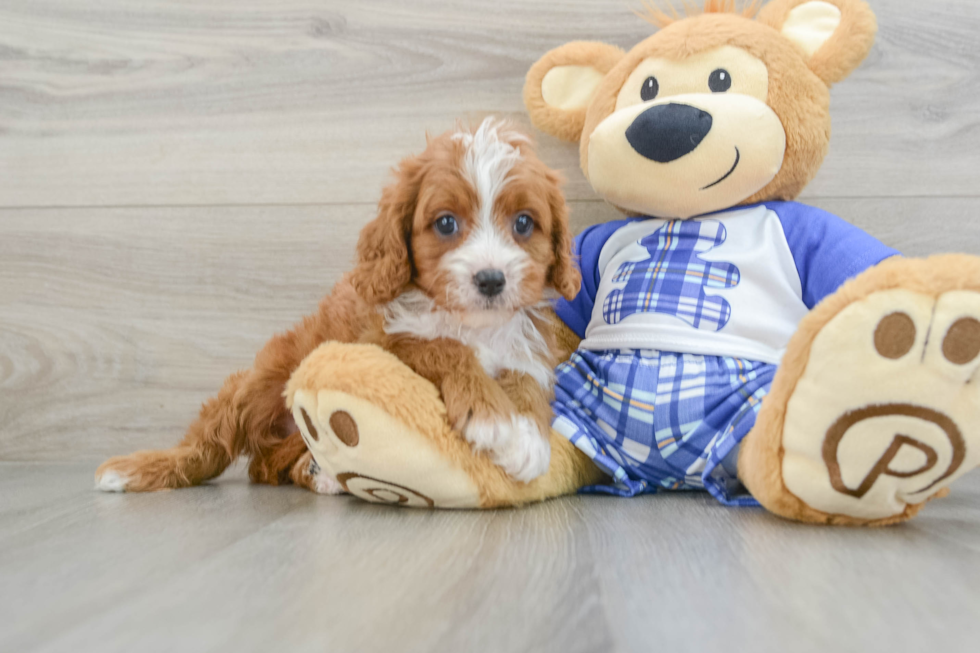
725 337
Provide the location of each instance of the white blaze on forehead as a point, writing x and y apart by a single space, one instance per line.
489 157
488 160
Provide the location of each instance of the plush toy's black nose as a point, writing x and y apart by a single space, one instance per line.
667 132
490 282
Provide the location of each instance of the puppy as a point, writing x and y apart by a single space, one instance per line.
453 276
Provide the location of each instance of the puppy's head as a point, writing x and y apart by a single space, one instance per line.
476 221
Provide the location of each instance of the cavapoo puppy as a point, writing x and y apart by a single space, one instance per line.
453 276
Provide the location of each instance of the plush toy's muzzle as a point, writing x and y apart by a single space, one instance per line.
666 132
686 155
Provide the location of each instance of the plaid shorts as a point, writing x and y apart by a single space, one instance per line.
655 420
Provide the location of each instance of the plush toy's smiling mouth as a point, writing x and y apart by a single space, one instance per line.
738 157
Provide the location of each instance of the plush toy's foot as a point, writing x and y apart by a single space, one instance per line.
380 431
876 407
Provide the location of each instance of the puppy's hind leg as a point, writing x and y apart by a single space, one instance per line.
210 445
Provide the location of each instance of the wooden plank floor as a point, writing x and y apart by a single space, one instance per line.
180 179
234 567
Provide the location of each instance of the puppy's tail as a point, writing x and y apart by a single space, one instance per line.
212 442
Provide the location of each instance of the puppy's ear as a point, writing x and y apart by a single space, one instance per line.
563 276
560 86
834 35
384 263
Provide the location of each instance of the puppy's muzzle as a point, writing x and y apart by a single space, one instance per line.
490 282
666 132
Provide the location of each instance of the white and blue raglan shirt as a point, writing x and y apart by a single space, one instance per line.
728 288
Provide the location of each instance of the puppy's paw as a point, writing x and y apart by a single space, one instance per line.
111 481
526 454
489 434
323 483
306 473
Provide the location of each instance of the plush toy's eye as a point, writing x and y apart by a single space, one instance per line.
446 225
523 225
719 81
649 89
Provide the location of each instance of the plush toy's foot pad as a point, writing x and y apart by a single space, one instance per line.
376 457
886 413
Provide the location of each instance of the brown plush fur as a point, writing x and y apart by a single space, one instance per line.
395 251
565 124
761 455
798 85
370 373
656 16
846 49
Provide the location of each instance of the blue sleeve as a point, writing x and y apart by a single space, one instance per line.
588 245
828 251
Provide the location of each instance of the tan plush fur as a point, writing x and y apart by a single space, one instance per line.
565 124
760 458
372 374
657 17
398 251
848 46
798 93
798 86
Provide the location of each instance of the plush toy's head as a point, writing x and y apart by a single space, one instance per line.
714 110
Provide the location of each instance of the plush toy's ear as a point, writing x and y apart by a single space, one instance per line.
560 85
835 35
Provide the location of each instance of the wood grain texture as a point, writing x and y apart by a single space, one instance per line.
115 102
181 179
118 323
233 567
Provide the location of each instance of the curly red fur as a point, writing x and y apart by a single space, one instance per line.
249 417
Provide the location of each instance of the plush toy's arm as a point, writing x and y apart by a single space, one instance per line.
827 250
467 390
566 340
588 246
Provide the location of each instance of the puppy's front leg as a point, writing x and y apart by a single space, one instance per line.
476 404
533 402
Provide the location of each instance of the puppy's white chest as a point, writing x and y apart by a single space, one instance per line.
511 356
514 345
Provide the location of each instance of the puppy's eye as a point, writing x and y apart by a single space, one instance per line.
649 89
523 225
719 81
446 225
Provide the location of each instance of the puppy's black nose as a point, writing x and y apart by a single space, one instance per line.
667 132
490 282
